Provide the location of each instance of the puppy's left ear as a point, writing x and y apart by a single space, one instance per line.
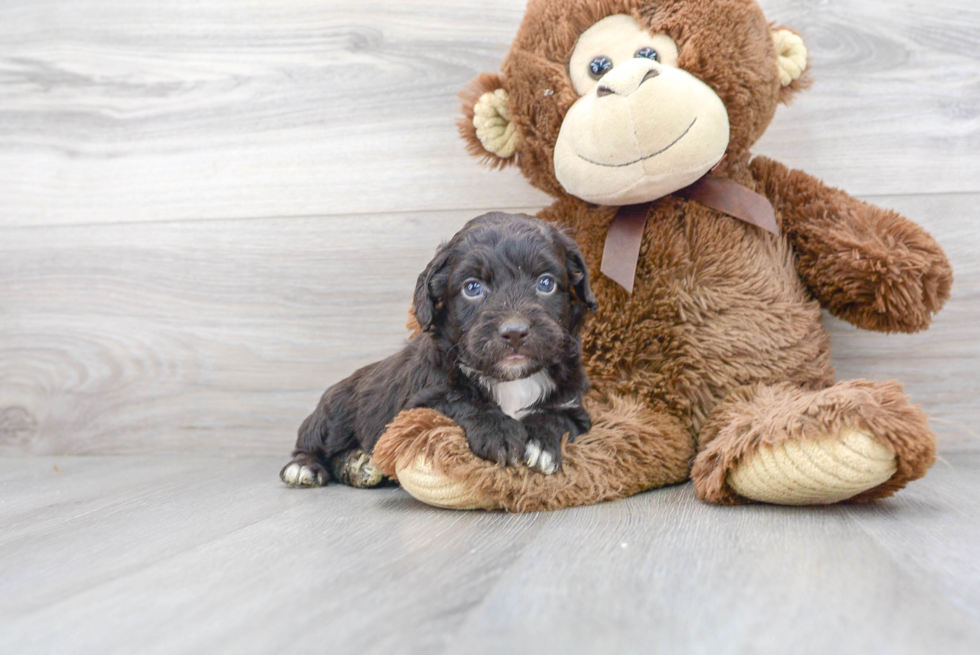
430 288
578 272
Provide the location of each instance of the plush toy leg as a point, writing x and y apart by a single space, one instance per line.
630 448
780 444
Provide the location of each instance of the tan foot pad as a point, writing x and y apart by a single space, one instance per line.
433 488
814 471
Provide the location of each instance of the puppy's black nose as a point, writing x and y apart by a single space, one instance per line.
514 333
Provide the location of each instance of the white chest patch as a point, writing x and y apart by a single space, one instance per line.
516 396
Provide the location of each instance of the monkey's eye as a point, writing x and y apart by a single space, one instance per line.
546 285
599 66
648 53
473 289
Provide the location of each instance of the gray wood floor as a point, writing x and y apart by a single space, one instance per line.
210 210
204 554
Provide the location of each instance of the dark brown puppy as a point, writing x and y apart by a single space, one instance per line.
500 306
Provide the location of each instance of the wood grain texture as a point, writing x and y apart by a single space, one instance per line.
200 109
191 555
220 336
169 337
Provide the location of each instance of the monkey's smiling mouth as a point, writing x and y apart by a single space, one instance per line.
635 161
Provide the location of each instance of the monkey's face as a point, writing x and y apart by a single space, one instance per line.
625 101
642 127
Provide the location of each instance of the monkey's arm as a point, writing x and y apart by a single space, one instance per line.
869 266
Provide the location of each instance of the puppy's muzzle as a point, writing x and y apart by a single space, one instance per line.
514 333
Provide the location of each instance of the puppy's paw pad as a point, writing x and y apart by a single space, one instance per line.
537 457
299 476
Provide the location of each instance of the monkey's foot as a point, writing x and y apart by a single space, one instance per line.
432 487
782 444
629 449
814 471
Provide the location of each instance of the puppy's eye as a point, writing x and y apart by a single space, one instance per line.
546 285
473 289
647 53
599 66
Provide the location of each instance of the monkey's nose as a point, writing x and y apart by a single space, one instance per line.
514 333
626 78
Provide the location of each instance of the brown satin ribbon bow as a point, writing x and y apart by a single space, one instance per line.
622 249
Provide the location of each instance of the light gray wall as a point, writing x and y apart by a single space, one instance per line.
210 210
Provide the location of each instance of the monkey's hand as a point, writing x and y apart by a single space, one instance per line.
869 266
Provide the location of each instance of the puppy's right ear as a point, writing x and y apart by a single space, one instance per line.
486 124
431 287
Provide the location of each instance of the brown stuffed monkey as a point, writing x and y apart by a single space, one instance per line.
707 356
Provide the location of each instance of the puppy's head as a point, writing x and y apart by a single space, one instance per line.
506 294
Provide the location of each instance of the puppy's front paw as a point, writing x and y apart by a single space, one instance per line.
545 434
501 442
543 458
303 472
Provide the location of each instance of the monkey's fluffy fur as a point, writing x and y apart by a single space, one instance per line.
720 348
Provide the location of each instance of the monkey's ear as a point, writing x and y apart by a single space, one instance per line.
486 124
791 60
430 288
